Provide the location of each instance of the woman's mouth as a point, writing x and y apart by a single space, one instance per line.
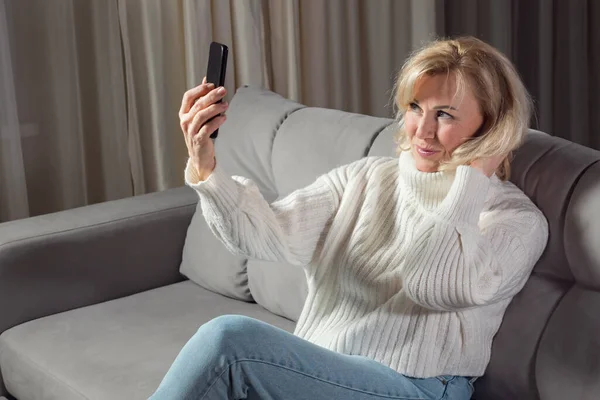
426 152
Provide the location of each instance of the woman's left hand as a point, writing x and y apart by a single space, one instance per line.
488 165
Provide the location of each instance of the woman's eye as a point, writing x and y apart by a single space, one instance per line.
443 114
414 107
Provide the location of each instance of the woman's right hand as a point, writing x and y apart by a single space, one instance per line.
197 107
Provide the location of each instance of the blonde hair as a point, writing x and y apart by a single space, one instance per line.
503 100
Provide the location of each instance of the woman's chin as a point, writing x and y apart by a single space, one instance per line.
427 167
424 164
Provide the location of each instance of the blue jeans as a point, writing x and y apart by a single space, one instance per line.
236 357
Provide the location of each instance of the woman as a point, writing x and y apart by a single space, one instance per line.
411 261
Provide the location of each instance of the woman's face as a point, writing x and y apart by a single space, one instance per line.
438 121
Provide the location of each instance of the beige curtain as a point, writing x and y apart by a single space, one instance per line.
64 124
90 89
13 191
342 54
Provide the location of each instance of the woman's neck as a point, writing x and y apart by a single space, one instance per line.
426 188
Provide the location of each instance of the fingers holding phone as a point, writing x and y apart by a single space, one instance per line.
205 113
191 96
215 95
199 118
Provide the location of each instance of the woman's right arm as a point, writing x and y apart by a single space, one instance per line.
235 210
287 230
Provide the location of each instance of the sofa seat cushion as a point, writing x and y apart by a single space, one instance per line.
120 349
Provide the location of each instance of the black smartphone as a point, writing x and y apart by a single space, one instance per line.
217 66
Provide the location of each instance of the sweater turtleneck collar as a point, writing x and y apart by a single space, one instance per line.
429 189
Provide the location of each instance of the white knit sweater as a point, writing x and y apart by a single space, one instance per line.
411 269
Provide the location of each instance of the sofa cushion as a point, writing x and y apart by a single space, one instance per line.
582 229
309 143
279 287
548 169
554 174
384 144
313 141
510 373
245 143
207 262
243 148
567 364
115 350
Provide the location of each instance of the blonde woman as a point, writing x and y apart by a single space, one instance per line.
411 261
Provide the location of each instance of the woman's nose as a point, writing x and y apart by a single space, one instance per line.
425 129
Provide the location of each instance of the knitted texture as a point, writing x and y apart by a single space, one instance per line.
411 269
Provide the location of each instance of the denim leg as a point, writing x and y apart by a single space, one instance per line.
236 357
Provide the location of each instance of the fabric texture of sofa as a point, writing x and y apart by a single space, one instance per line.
95 304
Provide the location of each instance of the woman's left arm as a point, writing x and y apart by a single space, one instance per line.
458 262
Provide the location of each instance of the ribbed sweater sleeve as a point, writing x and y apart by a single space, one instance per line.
287 230
457 261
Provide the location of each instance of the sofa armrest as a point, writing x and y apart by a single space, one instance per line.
74 258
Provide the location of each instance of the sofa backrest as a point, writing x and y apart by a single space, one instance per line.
547 346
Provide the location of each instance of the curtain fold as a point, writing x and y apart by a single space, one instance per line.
68 96
13 191
155 75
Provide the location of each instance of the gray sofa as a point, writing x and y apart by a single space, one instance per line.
95 304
